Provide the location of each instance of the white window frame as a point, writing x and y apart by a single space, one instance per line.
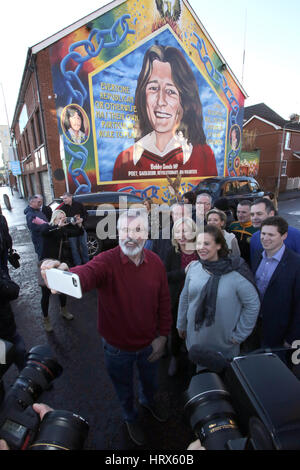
283 168
287 141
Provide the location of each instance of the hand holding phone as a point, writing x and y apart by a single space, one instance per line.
64 282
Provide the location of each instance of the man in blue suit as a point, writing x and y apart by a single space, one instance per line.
261 209
277 276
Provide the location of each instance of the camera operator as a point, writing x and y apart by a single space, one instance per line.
41 409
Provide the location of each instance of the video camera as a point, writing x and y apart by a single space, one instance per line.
258 409
20 425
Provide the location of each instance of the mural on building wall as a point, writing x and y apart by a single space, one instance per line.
142 95
249 163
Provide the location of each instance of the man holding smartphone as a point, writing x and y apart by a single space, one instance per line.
134 295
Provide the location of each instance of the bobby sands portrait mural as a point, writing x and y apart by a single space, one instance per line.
170 120
141 95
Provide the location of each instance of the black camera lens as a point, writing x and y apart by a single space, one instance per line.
38 373
61 430
209 411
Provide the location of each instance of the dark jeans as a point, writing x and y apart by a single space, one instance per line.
120 366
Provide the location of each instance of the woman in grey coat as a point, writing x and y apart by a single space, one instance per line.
219 303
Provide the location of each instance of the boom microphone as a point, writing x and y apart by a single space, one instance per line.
209 359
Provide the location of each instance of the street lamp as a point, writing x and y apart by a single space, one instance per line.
294 119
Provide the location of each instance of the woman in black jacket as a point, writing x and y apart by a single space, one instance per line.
9 291
179 256
55 235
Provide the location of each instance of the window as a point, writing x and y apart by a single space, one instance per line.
230 188
283 167
33 134
287 141
243 187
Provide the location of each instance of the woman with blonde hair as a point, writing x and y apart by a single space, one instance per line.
179 256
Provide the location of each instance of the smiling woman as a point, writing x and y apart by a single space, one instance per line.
171 138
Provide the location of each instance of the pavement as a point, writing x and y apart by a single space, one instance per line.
286 195
84 386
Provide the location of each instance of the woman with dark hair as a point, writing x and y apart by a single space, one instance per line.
74 125
170 121
219 303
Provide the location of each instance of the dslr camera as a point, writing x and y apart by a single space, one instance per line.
20 425
249 403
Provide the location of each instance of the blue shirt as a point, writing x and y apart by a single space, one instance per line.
266 269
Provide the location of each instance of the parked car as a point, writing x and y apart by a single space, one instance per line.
233 188
103 211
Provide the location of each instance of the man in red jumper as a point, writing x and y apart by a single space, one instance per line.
134 316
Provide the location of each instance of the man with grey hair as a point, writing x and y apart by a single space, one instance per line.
203 206
134 314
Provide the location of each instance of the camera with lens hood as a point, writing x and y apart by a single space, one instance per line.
248 403
20 425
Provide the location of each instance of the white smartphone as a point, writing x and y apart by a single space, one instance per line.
64 282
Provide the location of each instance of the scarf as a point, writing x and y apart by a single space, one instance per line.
207 304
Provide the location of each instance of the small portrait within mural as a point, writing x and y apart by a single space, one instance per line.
75 124
235 137
170 117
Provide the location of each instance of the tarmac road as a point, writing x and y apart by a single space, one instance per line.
84 386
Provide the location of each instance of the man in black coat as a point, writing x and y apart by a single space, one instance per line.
277 275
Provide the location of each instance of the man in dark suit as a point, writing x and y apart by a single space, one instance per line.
277 275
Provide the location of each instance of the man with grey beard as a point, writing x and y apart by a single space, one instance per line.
134 315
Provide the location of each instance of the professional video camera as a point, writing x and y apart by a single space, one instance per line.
20 425
258 409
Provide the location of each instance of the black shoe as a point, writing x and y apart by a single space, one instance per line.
158 411
136 433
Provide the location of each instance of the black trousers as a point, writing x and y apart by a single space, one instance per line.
46 298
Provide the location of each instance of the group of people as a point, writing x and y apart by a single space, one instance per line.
196 287
223 284
59 235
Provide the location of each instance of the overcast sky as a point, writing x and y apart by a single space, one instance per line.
269 29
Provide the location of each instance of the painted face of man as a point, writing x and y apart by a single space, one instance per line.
75 122
162 99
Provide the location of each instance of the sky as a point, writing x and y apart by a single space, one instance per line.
268 31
